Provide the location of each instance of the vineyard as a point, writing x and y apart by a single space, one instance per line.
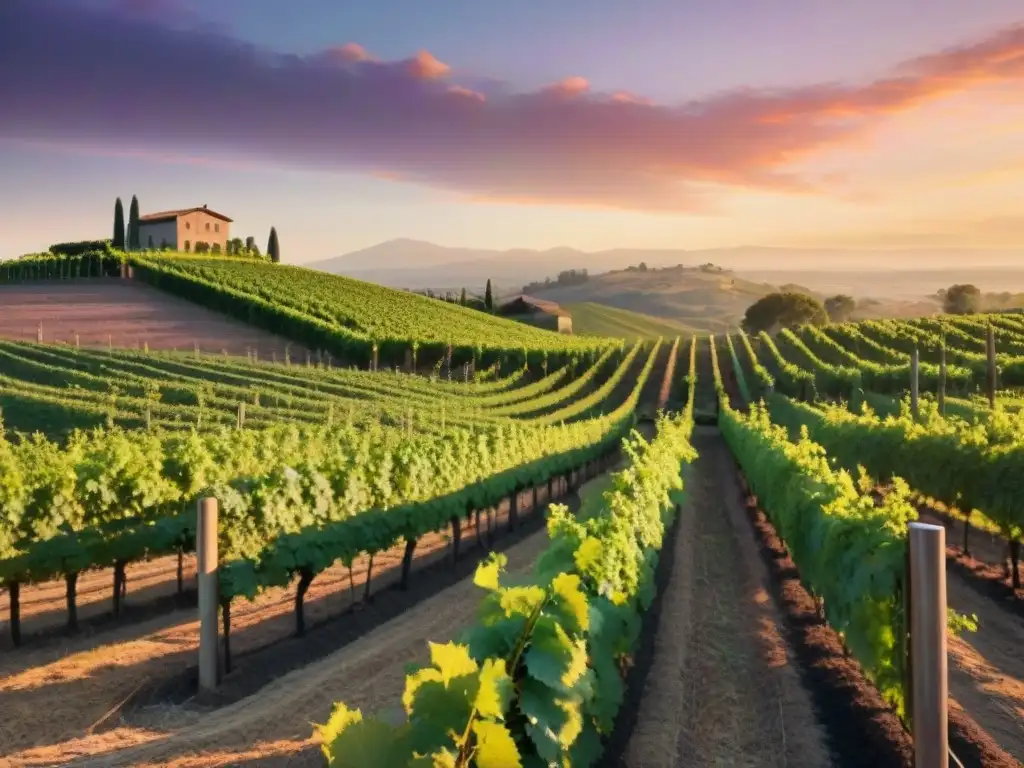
448 539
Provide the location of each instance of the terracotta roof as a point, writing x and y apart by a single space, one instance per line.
168 215
542 305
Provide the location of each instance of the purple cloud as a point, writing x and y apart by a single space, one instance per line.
132 75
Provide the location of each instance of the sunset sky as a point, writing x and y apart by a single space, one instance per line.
536 123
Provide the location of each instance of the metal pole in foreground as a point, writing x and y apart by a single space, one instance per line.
928 645
206 554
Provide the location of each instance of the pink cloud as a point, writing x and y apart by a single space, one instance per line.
343 110
350 52
570 86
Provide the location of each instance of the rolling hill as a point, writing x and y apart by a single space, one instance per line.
416 264
683 297
590 319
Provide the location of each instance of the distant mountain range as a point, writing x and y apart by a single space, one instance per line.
417 265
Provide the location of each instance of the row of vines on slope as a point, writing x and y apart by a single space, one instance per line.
358 322
271 558
537 680
108 497
970 466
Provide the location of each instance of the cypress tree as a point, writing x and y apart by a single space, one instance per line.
462 298
273 249
118 240
133 225
488 297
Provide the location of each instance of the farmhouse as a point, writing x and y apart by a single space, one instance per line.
537 312
185 229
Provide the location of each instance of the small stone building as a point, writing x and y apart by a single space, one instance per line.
537 312
184 229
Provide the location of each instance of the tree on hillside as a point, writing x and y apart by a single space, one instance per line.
462 298
783 310
488 297
961 300
840 307
273 249
118 240
251 248
235 246
133 225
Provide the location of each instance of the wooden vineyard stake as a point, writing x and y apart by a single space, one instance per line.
929 681
991 349
206 553
915 368
942 377
39 333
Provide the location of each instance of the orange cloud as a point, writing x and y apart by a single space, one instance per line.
570 86
425 67
353 52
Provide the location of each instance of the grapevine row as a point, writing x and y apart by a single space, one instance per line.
537 679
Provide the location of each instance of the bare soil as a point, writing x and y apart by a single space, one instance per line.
985 563
986 668
717 684
271 726
125 313
861 728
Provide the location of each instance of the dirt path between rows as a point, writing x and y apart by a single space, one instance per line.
723 688
986 668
